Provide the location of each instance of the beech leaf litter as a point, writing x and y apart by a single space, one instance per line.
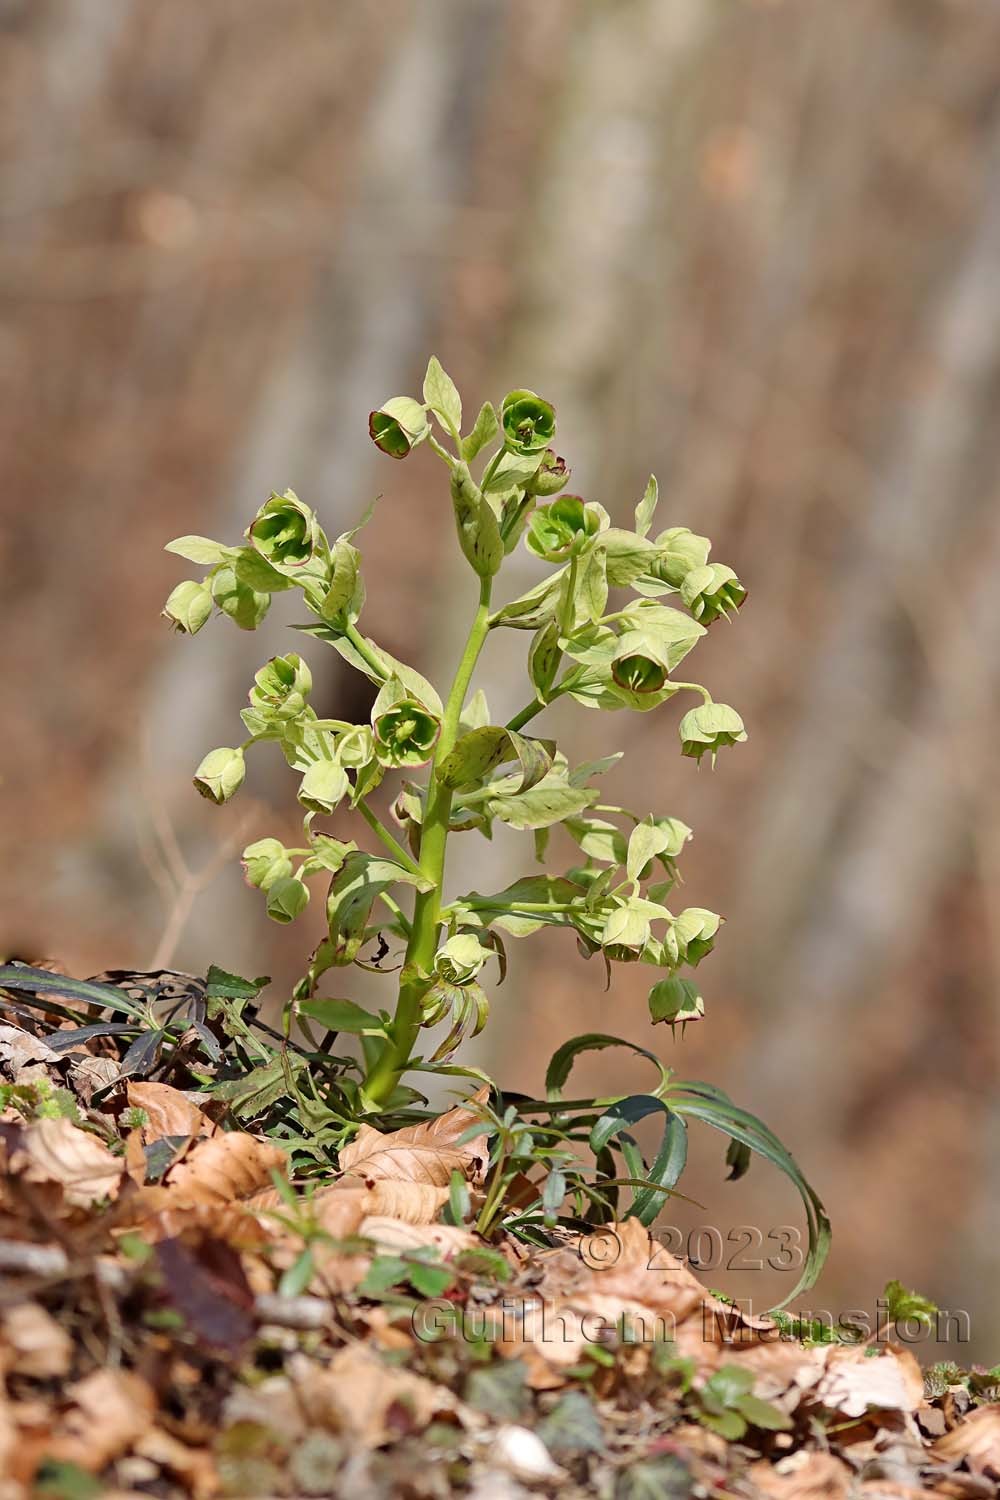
178 1319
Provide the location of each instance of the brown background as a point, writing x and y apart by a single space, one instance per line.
753 246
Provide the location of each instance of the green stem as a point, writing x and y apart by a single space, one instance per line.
394 847
527 713
420 950
371 657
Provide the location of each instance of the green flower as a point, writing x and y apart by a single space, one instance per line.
405 734
398 426
324 786
221 774
550 477
287 899
265 862
679 550
244 605
461 958
188 606
281 688
709 728
674 1000
528 421
712 591
641 665
692 934
560 530
287 534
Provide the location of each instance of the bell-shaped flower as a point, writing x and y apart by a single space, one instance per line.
708 728
265 862
221 774
712 591
528 421
561 530
287 534
398 426
281 688
188 606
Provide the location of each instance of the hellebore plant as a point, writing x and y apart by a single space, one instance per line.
618 654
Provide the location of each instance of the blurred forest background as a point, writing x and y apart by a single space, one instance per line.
754 247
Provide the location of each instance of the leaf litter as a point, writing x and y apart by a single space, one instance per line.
177 1320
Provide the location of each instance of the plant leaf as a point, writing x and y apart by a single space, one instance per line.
704 1102
441 395
342 1015
199 549
484 430
20 977
562 1060
480 751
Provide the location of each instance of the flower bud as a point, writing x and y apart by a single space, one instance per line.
674 1000
324 786
287 899
398 426
287 534
560 530
461 958
405 734
221 774
188 606
281 688
244 606
679 550
692 934
265 862
712 591
550 477
709 728
528 421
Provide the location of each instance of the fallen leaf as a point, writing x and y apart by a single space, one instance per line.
222 1168
375 1402
111 1410
803 1476
25 1058
37 1344
58 1151
427 1153
975 1441
852 1382
205 1281
400 1234
170 1111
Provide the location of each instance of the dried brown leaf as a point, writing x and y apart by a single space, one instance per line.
375 1402
975 1441
59 1152
223 1168
852 1382
203 1279
170 1111
111 1410
24 1058
427 1153
400 1234
803 1476
33 1343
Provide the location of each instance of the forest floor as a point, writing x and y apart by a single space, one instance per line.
176 1320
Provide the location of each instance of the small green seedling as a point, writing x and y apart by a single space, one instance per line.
599 633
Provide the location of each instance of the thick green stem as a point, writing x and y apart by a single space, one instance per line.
386 1072
393 845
